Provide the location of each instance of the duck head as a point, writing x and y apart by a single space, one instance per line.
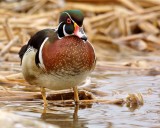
71 23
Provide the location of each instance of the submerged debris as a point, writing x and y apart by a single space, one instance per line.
134 101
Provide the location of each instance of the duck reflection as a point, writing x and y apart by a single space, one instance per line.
65 118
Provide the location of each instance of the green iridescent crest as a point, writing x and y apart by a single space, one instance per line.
75 15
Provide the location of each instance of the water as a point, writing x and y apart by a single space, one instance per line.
114 85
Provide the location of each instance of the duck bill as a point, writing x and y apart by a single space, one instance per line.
78 31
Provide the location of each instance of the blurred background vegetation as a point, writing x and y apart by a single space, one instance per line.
116 28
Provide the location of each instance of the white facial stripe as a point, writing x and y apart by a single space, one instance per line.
59 25
69 17
40 54
64 32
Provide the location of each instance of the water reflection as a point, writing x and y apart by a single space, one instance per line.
92 115
65 119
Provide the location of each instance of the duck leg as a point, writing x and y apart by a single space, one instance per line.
76 97
43 92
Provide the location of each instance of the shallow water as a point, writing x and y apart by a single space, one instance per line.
113 85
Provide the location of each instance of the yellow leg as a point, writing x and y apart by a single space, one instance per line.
75 114
76 97
43 92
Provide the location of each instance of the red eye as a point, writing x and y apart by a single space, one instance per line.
68 20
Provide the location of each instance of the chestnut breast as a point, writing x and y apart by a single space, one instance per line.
68 56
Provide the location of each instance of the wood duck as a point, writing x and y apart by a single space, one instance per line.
59 58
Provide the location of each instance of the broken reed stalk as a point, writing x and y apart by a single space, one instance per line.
60 97
39 5
89 7
30 98
148 27
130 37
15 49
121 25
104 22
33 97
101 17
117 101
9 45
131 5
8 30
107 30
127 26
13 79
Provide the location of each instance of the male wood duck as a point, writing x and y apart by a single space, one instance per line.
59 58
